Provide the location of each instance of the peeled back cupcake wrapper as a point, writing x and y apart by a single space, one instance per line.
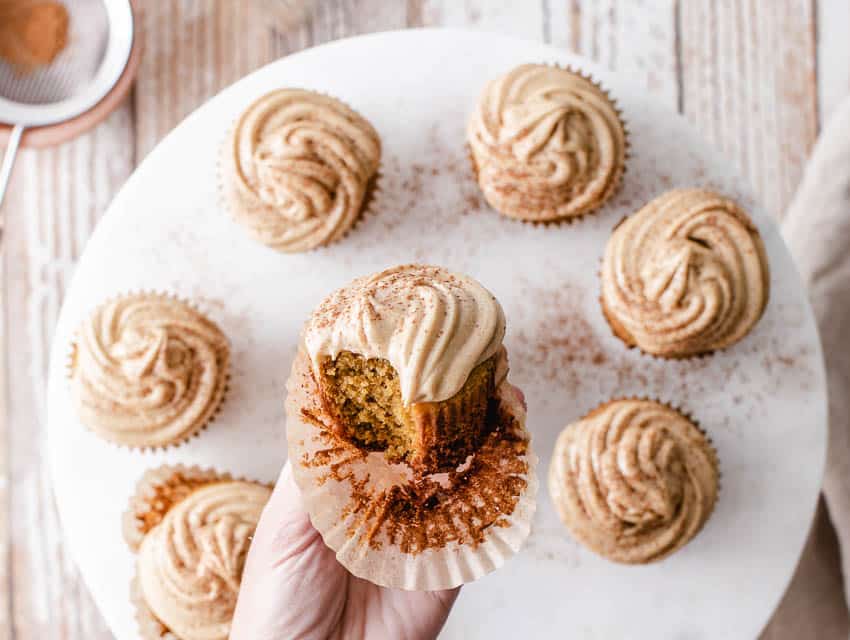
435 534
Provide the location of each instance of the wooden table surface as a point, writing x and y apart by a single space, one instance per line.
757 77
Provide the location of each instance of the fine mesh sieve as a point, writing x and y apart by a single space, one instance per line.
100 36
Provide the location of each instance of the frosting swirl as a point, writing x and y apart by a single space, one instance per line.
634 480
190 565
547 143
432 325
298 168
148 370
687 274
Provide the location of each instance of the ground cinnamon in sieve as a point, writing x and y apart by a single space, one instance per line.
32 33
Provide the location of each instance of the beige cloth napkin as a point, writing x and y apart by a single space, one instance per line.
817 230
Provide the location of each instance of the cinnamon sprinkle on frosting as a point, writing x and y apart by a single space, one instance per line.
547 144
432 325
634 480
685 275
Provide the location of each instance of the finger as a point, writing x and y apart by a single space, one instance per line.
284 521
286 498
447 598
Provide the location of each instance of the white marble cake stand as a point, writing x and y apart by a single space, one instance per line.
763 401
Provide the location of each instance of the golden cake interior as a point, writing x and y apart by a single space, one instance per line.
363 395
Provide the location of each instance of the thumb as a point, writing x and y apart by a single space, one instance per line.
287 560
284 518
284 530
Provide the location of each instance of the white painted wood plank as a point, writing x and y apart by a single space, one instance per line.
55 199
748 83
833 30
635 37
522 19
322 21
192 50
5 487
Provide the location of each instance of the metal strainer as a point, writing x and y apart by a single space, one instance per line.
100 36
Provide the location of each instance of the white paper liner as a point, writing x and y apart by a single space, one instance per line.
364 547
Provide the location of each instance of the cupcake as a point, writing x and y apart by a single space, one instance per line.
634 480
148 370
407 361
191 529
547 144
297 168
686 275
407 441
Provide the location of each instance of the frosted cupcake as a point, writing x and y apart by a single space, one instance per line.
191 529
407 441
148 370
547 144
407 361
685 275
634 480
297 168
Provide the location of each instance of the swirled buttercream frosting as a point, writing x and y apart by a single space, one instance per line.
148 370
634 480
190 564
297 167
433 326
685 275
546 143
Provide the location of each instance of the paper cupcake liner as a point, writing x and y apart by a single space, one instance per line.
396 530
157 491
225 166
222 391
554 483
619 175
368 207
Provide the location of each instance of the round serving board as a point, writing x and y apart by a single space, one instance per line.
763 401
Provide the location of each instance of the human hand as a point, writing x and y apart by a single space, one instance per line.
293 586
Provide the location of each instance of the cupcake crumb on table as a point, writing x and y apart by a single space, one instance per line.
298 169
547 144
148 370
191 529
686 275
634 480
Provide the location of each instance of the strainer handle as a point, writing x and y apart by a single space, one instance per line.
9 159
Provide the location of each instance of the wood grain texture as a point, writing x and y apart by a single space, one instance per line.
749 84
55 200
744 71
635 37
522 19
6 619
320 21
833 55
192 50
